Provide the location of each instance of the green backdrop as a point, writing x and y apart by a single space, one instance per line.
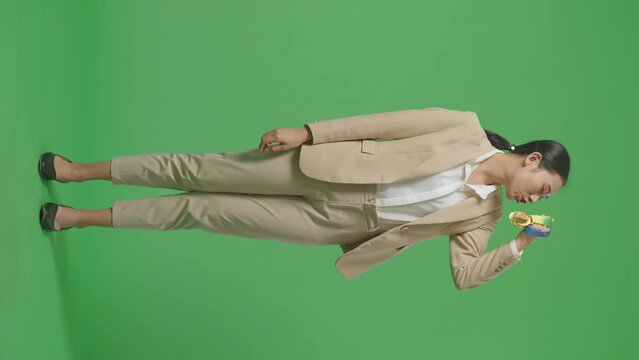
97 79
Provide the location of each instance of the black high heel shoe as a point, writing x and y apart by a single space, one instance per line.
47 215
46 168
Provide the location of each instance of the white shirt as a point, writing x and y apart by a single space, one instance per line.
407 200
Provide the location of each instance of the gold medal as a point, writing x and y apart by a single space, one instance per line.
521 219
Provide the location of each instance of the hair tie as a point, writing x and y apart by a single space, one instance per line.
512 147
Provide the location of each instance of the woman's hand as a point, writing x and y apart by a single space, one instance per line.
524 239
288 138
528 237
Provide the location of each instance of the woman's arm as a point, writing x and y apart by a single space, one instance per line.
388 125
522 241
471 266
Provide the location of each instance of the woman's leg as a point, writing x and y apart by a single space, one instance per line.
247 172
77 171
278 217
94 171
81 218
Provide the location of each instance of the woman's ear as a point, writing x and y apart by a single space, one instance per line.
534 157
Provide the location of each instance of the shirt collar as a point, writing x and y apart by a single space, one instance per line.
482 190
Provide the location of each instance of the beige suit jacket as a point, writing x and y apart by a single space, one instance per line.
389 146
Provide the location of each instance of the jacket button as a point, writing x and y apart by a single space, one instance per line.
404 229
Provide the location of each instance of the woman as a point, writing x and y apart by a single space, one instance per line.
374 184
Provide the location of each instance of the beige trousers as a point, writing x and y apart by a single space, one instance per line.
251 194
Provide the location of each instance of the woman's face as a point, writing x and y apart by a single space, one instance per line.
531 183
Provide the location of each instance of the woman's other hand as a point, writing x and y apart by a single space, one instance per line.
529 237
287 138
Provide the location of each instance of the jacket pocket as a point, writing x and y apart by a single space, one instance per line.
369 146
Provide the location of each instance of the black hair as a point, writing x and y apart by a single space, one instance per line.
555 157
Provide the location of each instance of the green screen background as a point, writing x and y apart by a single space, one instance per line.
96 79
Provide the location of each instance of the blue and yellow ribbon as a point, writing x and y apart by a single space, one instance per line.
522 219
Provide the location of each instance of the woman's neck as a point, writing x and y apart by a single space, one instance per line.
494 170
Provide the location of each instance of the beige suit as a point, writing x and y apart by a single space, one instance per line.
323 193
416 142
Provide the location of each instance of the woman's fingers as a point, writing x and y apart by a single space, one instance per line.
540 227
277 148
265 139
267 147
